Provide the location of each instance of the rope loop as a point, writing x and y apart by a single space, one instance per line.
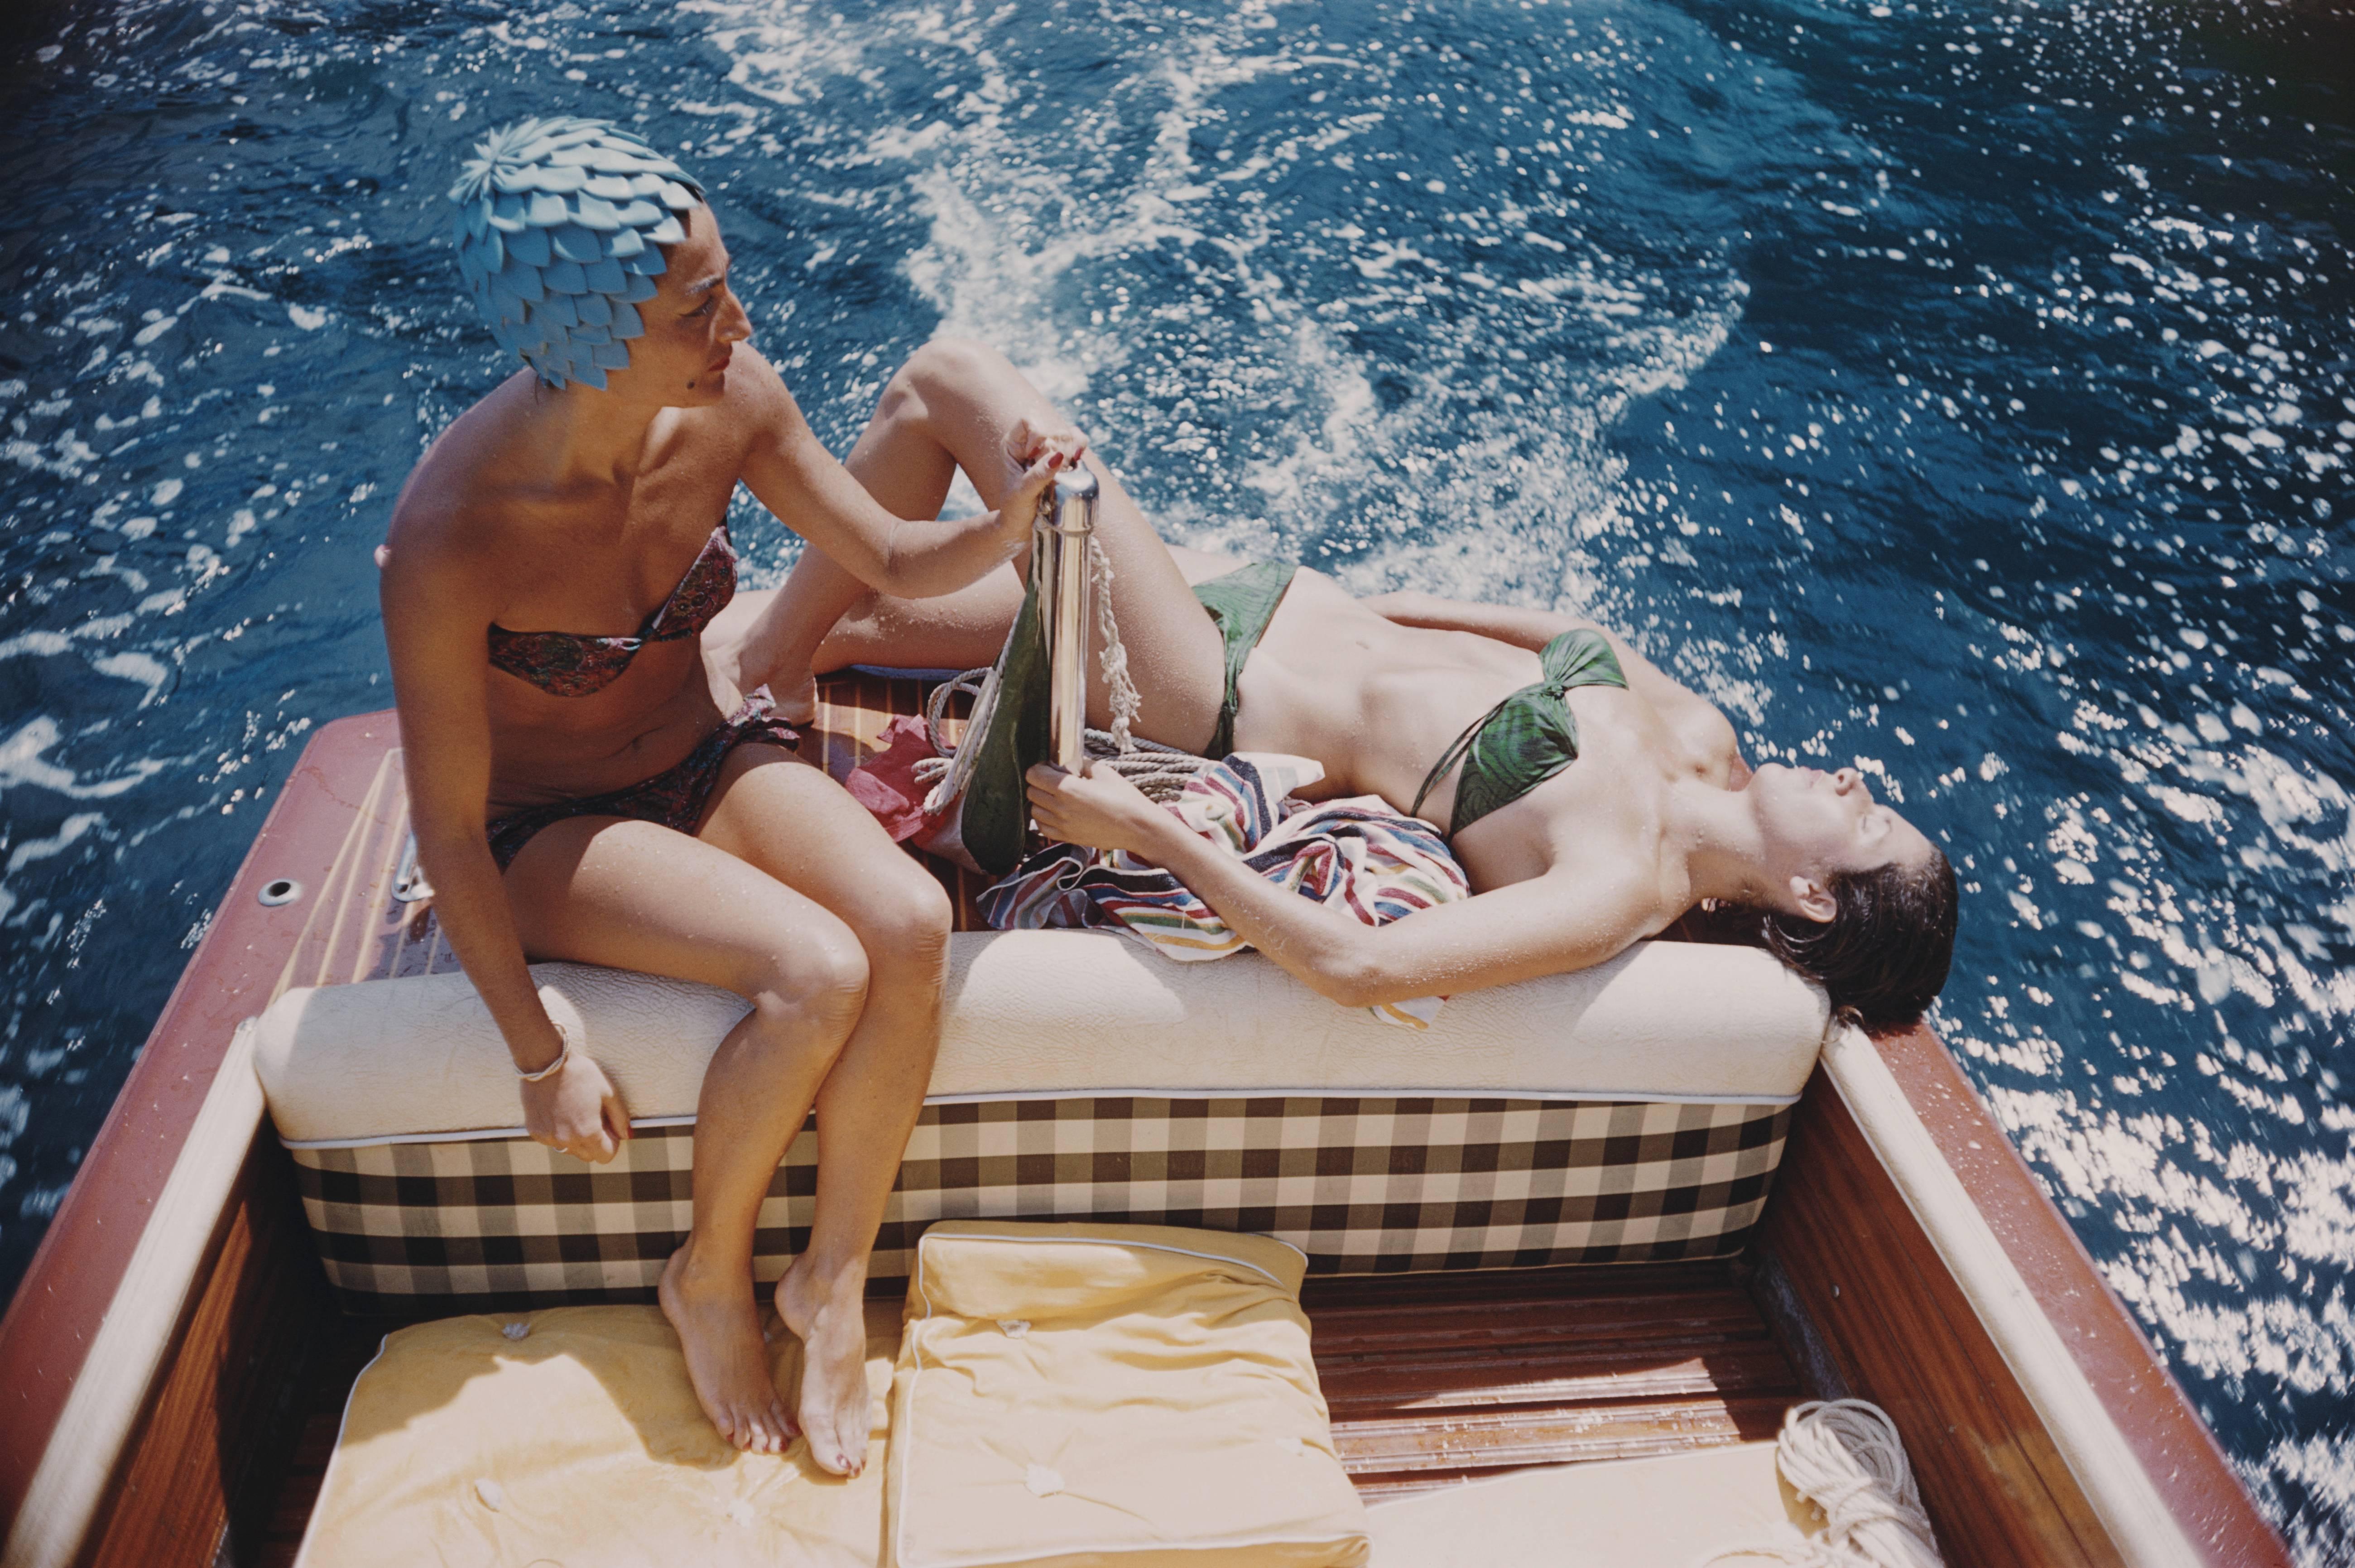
1844 1455
1160 771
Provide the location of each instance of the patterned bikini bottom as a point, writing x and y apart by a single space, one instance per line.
674 797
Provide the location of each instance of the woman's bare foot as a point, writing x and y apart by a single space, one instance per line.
830 1318
719 1330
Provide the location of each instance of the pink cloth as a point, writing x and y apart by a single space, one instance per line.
885 784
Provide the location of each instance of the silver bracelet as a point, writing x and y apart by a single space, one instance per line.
556 1066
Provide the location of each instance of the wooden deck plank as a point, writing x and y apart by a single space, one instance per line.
1440 1379
1509 1440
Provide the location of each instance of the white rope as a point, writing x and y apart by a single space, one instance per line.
1121 691
1159 771
949 770
1844 1455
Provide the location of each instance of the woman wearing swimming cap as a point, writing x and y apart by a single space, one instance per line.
590 778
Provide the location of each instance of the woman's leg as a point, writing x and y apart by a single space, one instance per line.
798 825
953 406
848 623
635 895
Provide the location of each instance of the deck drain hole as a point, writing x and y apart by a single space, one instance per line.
280 891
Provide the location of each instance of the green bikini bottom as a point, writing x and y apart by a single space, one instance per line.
1242 602
1526 739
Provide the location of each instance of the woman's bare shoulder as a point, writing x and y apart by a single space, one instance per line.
470 487
462 523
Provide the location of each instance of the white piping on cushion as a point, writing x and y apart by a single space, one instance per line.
463 1135
2122 1493
1352 1091
1562 1096
1120 1242
334 1456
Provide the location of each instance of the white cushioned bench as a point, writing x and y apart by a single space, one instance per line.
1632 1112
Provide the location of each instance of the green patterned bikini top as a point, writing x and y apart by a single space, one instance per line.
1527 738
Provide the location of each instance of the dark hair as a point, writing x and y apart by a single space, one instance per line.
1883 957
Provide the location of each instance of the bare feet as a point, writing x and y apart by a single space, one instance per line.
719 1330
830 1318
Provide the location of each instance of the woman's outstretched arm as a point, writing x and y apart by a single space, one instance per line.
792 473
1549 925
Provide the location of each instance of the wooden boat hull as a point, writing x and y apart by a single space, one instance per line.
172 1359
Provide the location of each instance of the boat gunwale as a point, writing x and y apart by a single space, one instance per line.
51 1321
2154 1416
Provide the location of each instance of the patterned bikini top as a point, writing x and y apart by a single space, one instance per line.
570 664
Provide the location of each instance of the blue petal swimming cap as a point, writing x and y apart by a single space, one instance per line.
558 224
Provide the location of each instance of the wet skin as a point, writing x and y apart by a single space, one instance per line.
1656 815
579 510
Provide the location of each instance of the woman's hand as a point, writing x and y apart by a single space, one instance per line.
1035 453
578 1109
1027 443
1096 810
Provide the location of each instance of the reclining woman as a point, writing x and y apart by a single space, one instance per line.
1592 800
612 790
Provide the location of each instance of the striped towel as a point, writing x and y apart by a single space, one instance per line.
1356 856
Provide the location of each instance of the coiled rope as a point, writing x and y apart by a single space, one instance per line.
1160 771
1844 1455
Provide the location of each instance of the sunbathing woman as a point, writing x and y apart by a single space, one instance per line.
593 780
1592 800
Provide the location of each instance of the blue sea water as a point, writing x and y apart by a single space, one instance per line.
1957 388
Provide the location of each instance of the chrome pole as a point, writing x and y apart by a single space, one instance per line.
1059 566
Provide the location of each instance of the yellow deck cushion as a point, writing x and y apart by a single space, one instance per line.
578 1444
1672 1510
1130 1395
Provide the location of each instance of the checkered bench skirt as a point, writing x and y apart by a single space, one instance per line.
1362 1185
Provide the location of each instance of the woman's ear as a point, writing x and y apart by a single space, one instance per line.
1814 900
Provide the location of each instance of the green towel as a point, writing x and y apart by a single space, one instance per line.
996 809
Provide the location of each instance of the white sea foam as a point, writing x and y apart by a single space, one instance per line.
23 763
1480 482
65 837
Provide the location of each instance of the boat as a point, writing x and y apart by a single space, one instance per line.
176 1361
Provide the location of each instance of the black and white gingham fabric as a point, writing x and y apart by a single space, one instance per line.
1362 1185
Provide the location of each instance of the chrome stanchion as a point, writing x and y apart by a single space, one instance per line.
1058 567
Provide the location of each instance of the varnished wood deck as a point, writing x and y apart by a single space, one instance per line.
1433 1379
1436 1379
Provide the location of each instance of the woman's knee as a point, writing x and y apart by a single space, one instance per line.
816 990
903 920
948 369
